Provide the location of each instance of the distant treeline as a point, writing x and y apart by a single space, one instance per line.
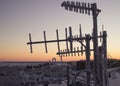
111 64
77 65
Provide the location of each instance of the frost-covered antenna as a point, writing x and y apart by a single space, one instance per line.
99 52
69 39
84 8
87 8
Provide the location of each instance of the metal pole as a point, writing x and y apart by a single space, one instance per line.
88 58
68 80
95 41
105 57
101 63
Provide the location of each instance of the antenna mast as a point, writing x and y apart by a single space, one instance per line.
85 47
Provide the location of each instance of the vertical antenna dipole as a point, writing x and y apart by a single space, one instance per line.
81 40
58 41
78 50
88 7
100 36
45 41
72 3
30 43
101 33
74 51
68 53
83 9
70 33
80 10
66 39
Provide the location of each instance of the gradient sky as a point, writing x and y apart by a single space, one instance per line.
18 18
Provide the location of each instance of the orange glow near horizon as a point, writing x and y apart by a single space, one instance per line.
22 53
18 18
45 57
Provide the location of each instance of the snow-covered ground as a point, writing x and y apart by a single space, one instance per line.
114 79
7 73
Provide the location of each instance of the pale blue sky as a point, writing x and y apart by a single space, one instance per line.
20 17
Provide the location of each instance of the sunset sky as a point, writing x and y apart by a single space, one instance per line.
18 18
